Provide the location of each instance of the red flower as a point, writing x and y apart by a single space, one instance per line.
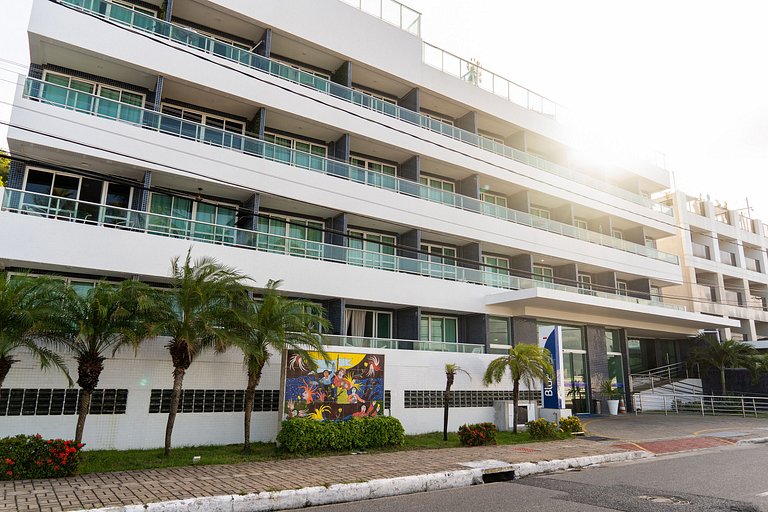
9 473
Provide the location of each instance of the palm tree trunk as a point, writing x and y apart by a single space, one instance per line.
446 404
515 400
5 366
178 378
82 412
250 393
722 379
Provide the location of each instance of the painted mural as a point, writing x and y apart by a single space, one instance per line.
347 386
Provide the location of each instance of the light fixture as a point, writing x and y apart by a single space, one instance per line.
199 194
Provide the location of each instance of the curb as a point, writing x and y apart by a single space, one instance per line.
755 440
381 488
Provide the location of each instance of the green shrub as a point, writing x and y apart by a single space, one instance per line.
477 434
26 457
303 435
571 424
542 429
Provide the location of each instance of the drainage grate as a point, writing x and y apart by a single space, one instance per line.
671 500
598 438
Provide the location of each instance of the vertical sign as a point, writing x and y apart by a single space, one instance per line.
553 390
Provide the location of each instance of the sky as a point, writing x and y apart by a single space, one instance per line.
687 78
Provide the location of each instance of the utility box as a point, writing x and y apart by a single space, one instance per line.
554 414
504 413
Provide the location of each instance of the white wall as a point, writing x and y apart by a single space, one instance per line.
152 369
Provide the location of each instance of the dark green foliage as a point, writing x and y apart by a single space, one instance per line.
542 429
571 424
27 457
477 434
303 435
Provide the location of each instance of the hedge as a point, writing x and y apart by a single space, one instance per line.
477 434
303 435
26 457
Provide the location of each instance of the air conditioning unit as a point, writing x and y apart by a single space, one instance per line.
505 418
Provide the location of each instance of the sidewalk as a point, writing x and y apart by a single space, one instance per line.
606 436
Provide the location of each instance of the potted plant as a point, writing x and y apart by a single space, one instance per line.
612 395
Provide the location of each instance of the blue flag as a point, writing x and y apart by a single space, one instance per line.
552 391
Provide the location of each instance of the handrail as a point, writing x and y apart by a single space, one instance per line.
392 12
80 101
681 403
193 39
402 344
59 208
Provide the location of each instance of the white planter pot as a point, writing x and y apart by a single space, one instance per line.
613 407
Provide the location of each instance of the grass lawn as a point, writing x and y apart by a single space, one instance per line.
102 461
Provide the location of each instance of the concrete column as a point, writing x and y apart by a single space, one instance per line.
411 100
340 148
523 263
264 45
410 239
343 75
517 141
467 122
471 252
524 330
469 186
566 274
520 201
411 169
597 358
407 323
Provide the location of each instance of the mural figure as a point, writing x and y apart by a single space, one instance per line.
349 386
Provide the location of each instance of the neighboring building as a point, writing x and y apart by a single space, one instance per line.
438 218
724 255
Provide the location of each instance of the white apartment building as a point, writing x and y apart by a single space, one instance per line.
433 207
723 253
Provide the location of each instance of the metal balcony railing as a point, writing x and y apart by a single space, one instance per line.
79 101
196 40
66 209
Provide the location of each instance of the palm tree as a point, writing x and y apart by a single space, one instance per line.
525 362
451 369
726 354
95 325
25 305
203 311
277 323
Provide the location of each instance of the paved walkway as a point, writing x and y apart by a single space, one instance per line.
605 435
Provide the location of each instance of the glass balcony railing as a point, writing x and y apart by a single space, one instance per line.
198 41
392 12
79 101
395 344
67 209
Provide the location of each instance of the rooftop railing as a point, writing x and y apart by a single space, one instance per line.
198 41
79 101
392 12
73 210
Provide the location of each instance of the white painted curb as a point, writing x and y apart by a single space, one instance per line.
341 493
754 440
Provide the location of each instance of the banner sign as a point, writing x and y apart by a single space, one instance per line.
348 385
553 391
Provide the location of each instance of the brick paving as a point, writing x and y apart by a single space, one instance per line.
656 434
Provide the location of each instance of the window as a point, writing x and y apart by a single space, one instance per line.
439 190
437 183
62 195
498 331
290 235
304 69
656 294
78 94
179 216
437 117
441 261
617 233
622 288
585 284
615 362
580 223
496 271
371 249
650 242
438 329
543 274
374 165
538 211
218 129
282 149
491 198
368 324
491 138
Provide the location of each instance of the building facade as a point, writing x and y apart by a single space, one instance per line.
433 207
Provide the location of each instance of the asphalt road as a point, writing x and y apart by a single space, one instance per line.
730 479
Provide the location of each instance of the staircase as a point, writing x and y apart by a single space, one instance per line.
668 379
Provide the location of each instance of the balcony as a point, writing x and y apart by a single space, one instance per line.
753 265
701 251
192 39
79 101
728 258
732 298
395 344
63 209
